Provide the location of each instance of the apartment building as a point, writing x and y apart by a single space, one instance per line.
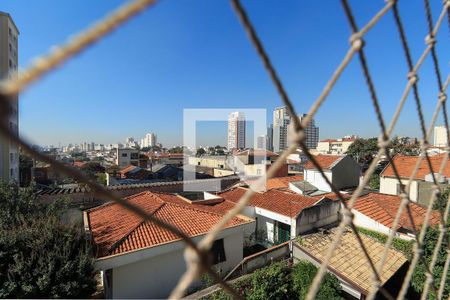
281 121
335 146
440 136
9 152
149 140
127 157
236 130
311 133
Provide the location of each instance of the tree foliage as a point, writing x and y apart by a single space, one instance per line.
281 281
43 254
363 150
419 276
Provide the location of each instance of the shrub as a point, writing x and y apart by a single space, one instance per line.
40 257
302 276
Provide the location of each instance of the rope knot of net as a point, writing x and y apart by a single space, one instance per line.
430 40
442 97
356 41
412 77
383 142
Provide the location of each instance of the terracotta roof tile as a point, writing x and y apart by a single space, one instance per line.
324 161
285 203
115 230
282 182
383 209
405 166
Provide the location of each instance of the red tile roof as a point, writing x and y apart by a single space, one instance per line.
383 209
405 166
282 182
79 164
285 203
324 161
116 230
127 169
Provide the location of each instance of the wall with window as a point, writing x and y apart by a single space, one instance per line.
155 271
391 186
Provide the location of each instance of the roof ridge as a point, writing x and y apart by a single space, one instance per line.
192 207
125 236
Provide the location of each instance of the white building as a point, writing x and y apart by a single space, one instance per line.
377 212
281 121
342 172
422 184
138 259
149 140
335 146
127 157
440 136
282 215
236 130
9 152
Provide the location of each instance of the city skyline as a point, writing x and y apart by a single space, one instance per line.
221 73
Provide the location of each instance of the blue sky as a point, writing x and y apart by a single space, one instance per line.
195 54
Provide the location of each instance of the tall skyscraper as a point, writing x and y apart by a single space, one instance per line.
440 136
311 132
269 145
281 121
236 131
9 152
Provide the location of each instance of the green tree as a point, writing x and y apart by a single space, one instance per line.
43 252
363 150
441 201
419 276
302 276
200 152
375 181
272 282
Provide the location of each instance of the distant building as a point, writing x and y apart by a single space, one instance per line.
269 144
127 157
261 142
281 121
9 152
236 130
335 146
311 132
440 136
149 140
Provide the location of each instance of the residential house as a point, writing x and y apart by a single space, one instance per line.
342 172
349 263
139 259
421 187
281 214
377 212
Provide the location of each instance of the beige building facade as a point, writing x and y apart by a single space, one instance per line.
9 152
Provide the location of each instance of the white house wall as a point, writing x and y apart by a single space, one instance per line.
157 276
315 178
364 221
388 185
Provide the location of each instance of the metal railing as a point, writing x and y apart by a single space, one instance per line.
197 254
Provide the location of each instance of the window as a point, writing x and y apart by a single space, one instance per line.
124 154
400 187
134 155
218 252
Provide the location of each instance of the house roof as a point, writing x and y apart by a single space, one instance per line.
326 162
338 140
115 230
349 259
256 152
282 182
383 209
127 169
285 203
405 166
